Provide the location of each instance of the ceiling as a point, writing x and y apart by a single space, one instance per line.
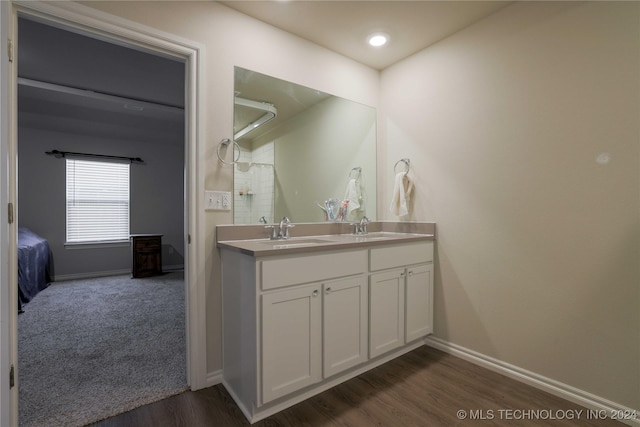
343 26
102 67
70 82
288 98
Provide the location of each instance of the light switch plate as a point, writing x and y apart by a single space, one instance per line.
217 200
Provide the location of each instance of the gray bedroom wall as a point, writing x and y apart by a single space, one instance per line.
157 198
66 118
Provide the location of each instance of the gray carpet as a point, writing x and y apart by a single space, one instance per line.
90 349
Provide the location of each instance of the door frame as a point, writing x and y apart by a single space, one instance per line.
8 312
118 30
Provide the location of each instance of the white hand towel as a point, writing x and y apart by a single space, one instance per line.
354 195
402 190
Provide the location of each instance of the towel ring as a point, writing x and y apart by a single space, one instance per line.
407 166
225 142
358 171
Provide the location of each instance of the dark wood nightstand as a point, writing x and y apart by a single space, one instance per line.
146 255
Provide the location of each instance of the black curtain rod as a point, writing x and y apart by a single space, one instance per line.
61 154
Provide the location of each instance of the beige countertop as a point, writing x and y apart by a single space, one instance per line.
330 242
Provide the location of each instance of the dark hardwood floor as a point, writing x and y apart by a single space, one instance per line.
425 387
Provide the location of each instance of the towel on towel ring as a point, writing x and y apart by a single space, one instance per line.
353 193
402 192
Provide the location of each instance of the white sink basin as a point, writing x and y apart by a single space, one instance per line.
374 236
379 235
283 244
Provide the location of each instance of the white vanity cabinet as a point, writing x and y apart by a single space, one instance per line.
291 340
386 318
312 332
401 296
345 324
297 324
419 301
290 321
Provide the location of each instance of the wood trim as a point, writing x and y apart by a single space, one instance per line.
540 382
8 233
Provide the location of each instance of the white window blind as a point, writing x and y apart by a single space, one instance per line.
97 201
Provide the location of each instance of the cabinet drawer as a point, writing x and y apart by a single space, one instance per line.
147 244
400 255
304 269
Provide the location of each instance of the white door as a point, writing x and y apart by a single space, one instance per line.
386 316
291 340
344 324
419 297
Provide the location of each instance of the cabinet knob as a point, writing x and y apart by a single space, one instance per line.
402 274
410 273
328 289
314 293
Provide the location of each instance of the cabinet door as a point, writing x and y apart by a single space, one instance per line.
419 297
291 340
344 324
386 312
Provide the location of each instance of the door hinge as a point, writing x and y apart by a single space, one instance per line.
12 377
10 49
188 239
10 213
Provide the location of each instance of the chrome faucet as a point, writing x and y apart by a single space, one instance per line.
285 225
279 231
273 233
360 228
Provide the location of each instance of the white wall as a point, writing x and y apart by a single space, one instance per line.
538 251
157 198
233 39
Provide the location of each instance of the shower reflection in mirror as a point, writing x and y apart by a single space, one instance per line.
254 180
297 146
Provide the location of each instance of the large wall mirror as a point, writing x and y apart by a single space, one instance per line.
303 153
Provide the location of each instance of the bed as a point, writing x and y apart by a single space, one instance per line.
34 263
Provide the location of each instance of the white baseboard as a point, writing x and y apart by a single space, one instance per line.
62 277
565 391
255 414
177 267
246 412
93 274
213 378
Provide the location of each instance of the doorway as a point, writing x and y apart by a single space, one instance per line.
82 18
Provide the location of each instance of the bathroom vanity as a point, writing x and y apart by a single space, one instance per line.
305 314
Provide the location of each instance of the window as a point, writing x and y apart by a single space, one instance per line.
97 201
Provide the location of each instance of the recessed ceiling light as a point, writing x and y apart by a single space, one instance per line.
378 39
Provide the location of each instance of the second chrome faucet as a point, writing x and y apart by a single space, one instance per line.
360 228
